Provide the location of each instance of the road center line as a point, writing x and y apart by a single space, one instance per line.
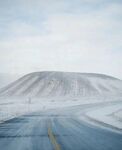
53 139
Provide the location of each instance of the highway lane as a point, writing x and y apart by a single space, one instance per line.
74 134
30 132
25 133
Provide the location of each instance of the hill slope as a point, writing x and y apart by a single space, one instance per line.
44 84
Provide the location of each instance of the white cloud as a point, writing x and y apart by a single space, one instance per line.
85 42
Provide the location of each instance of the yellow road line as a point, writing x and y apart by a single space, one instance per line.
53 139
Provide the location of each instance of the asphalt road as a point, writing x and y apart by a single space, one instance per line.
30 132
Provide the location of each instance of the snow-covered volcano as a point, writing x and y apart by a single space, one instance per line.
51 84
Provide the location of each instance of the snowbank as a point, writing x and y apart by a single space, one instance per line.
106 115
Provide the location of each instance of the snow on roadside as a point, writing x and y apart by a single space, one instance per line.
118 114
10 108
105 115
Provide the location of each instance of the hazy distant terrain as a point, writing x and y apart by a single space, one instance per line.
6 79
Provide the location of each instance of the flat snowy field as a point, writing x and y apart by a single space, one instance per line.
13 108
111 115
118 114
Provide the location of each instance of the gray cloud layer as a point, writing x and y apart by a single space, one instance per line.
75 35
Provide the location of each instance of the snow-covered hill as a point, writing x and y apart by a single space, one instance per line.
52 84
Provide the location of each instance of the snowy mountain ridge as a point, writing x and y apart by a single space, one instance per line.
51 84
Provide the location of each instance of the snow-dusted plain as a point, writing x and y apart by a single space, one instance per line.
118 114
107 115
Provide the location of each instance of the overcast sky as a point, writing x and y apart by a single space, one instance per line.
62 35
